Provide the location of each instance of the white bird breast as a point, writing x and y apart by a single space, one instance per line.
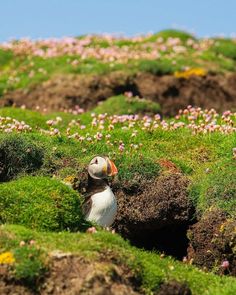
104 208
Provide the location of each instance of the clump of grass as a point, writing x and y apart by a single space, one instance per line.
40 203
30 264
123 105
165 34
225 47
156 67
5 57
18 154
32 118
218 188
133 166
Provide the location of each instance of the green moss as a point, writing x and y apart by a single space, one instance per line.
123 105
30 264
216 189
5 57
157 67
225 47
32 118
40 203
18 154
165 34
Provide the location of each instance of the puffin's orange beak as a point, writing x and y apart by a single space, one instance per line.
112 170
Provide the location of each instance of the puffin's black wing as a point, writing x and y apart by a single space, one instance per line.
87 204
94 186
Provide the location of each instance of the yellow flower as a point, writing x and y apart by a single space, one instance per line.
191 72
7 258
69 179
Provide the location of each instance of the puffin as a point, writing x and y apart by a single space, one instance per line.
100 204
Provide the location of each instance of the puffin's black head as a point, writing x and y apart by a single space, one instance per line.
101 167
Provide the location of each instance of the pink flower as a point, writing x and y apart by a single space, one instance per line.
128 94
32 242
121 147
225 264
91 230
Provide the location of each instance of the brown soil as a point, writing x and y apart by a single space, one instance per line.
69 275
9 286
156 213
212 91
174 288
212 241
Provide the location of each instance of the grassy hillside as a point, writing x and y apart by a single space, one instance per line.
199 143
24 63
43 160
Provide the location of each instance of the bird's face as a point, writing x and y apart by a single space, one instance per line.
101 167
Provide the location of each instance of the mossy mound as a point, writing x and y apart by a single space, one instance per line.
171 33
18 154
40 203
124 105
225 47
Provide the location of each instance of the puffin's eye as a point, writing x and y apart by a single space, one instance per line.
96 161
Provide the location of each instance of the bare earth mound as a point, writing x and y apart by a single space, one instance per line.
70 274
211 91
156 214
213 243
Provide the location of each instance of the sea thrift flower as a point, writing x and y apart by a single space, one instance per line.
128 94
98 136
55 132
32 242
50 122
225 264
91 230
121 147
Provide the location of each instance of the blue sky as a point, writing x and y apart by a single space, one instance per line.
57 18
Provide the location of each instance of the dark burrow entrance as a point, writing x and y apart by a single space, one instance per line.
171 240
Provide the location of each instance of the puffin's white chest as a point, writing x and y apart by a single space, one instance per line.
104 208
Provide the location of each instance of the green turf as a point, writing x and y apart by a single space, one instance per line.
150 268
127 105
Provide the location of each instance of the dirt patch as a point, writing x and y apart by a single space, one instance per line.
211 91
157 214
69 274
67 91
73 275
213 243
9 286
174 288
